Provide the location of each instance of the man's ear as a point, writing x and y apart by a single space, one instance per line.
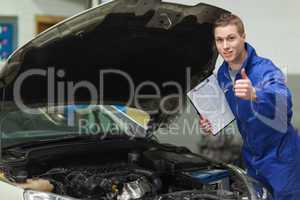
244 36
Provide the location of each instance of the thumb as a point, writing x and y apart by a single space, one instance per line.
244 75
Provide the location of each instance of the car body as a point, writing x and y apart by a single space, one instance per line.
79 108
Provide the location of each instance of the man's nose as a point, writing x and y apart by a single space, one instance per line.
225 44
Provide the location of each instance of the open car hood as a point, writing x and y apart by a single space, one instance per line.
142 53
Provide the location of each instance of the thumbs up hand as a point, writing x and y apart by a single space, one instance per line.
243 87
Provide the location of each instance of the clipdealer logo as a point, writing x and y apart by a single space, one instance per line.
64 91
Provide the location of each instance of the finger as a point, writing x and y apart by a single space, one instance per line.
207 127
241 94
208 131
244 74
204 125
240 90
241 86
204 120
242 81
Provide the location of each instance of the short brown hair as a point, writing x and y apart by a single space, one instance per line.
230 19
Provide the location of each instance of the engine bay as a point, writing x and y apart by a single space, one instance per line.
133 173
125 181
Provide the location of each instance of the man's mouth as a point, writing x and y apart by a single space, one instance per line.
227 54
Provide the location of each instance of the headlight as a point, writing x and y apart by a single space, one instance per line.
35 195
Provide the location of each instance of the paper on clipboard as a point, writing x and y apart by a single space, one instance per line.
209 101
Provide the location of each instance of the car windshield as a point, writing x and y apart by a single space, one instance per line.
71 120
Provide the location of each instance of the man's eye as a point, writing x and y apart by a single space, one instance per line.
219 40
231 38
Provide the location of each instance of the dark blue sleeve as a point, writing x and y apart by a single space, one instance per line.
273 98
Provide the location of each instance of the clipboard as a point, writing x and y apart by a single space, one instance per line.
209 101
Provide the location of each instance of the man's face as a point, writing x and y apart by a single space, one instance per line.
230 43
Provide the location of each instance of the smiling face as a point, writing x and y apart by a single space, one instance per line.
230 44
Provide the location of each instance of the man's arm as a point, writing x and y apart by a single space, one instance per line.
273 98
270 99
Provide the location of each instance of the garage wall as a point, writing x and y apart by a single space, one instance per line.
26 10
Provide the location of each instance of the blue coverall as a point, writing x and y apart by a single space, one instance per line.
271 148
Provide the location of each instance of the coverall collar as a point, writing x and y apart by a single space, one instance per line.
247 62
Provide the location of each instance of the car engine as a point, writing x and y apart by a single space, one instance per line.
129 172
113 181
122 181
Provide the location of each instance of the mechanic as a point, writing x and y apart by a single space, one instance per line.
257 94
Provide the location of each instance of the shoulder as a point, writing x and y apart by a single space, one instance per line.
264 68
221 71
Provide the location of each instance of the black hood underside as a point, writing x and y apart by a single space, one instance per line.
158 43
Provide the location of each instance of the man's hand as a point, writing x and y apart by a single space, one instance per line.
205 125
243 88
